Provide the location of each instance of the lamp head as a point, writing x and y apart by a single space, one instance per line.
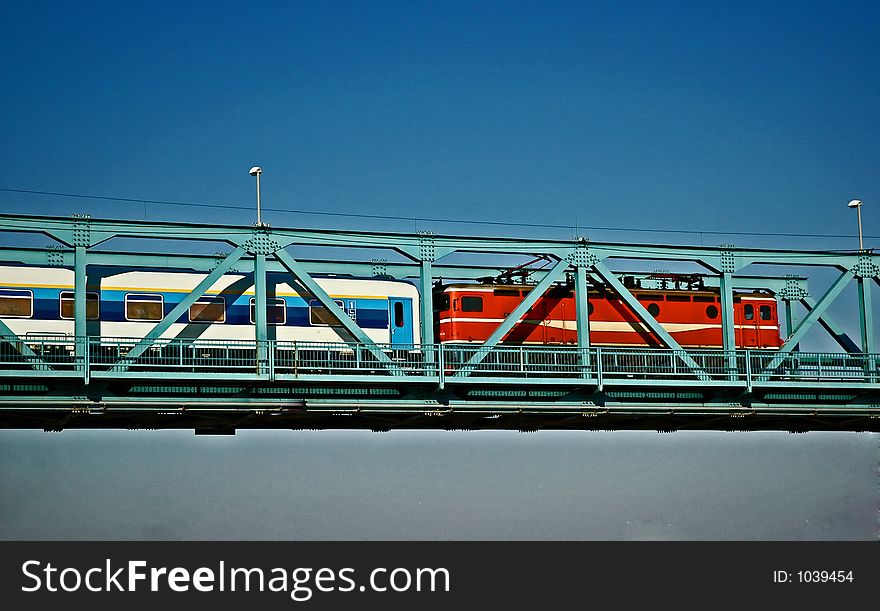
258 170
855 203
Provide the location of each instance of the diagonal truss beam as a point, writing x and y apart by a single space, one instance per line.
834 330
19 344
295 268
648 320
807 323
513 318
179 309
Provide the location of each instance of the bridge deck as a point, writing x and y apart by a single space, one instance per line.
226 385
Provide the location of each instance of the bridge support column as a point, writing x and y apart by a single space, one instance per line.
582 315
426 308
728 324
866 326
260 322
81 342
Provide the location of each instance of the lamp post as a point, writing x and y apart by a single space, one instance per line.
256 171
857 204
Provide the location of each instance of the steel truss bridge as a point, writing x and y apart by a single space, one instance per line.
159 381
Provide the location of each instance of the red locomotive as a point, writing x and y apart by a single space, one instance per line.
471 312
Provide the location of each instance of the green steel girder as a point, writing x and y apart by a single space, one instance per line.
178 310
555 273
294 267
830 295
639 310
834 330
22 348
411 243
205 263
82 234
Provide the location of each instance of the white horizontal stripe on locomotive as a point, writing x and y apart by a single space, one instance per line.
602 325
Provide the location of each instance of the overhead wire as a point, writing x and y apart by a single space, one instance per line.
417 219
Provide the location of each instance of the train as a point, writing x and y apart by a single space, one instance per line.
38 302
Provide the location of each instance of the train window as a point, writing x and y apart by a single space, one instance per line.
590 308
765 312
704 298
653 309
506 292
398 314
320 316
646 297
143 307
471 304
67 305
16 304
712 312
678 298
749 312
208 309
276 310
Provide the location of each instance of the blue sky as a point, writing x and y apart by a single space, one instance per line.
674 115
689 116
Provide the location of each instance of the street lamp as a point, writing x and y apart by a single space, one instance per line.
857 204
256 171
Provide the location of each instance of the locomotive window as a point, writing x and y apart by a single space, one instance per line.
208 309
644 297
143 307
590 308
398 314
653 309
67 305
678 298
765 312
471 304
749 312
712 311
16 304
276 310
704 298
321 316
506 293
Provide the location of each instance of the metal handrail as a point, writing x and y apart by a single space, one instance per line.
442 363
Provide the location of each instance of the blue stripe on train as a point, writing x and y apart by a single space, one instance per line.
369 313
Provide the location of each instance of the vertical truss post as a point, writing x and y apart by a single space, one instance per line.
582 314
427 256
582 259
79 306
261 327
866 271
866 319
790 293
728 323
789 318
427 311
866 325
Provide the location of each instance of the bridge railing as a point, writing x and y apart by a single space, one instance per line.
276 359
